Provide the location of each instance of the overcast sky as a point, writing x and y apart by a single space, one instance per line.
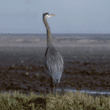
71 16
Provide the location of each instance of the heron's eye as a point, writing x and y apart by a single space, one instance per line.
47 16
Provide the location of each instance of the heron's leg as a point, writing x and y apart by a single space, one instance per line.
51 84
55 90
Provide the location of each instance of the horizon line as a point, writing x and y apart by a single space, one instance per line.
54 33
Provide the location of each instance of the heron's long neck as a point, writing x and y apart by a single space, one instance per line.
49 39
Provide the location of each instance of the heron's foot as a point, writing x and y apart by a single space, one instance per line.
51 90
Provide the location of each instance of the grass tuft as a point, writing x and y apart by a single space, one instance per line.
68 101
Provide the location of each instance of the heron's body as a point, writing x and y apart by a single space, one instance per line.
54 61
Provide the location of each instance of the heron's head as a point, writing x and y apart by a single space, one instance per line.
47 15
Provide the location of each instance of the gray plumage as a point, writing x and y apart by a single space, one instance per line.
53 59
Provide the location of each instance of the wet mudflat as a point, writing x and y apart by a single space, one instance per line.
23 69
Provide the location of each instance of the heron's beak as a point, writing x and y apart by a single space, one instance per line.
52 14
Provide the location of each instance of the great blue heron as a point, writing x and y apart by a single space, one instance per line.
54 61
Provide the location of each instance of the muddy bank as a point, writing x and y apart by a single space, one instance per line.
24 70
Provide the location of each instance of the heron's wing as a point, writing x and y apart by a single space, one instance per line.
54 63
